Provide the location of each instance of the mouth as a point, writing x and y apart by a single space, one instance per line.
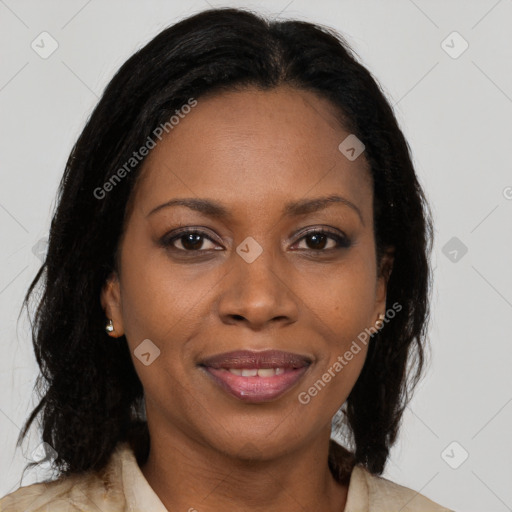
256 376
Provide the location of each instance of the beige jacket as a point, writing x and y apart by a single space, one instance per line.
121 487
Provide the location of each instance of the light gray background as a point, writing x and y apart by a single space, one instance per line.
455 113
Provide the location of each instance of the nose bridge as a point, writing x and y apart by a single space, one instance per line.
256 287
256 269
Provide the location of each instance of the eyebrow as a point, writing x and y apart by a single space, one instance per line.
215 209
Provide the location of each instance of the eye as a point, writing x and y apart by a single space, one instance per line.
191 240
317 239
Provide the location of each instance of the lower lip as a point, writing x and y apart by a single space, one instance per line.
256 389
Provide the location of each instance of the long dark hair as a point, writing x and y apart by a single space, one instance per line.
91 396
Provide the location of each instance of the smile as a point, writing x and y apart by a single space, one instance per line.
256 376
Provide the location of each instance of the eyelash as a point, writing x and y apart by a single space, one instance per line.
342 241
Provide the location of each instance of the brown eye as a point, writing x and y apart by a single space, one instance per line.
318 240
191 241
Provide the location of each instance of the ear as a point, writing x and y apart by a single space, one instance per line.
111 303
383 275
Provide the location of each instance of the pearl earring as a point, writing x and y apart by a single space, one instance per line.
110 327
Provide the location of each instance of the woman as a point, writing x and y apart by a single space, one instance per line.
238 263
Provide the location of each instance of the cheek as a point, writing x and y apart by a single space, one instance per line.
343 298
344 303
159 307
161 300
153 299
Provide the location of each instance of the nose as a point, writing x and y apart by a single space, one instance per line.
258 293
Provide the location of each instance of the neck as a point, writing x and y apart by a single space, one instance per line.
188 475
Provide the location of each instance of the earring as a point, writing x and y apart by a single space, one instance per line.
380 321
109 327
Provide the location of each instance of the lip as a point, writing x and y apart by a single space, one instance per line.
256 389
262 359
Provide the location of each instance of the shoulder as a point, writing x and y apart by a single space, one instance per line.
101 490
382 495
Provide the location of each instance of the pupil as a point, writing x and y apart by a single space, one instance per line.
192 241
318 237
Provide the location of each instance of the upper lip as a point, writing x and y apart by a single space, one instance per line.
262 359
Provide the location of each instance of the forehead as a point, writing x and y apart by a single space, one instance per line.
254 148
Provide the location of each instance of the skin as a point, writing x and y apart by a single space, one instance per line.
252 151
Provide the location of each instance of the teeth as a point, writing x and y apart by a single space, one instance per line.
252 372
266 372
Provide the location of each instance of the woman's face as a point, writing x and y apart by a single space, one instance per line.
253 279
